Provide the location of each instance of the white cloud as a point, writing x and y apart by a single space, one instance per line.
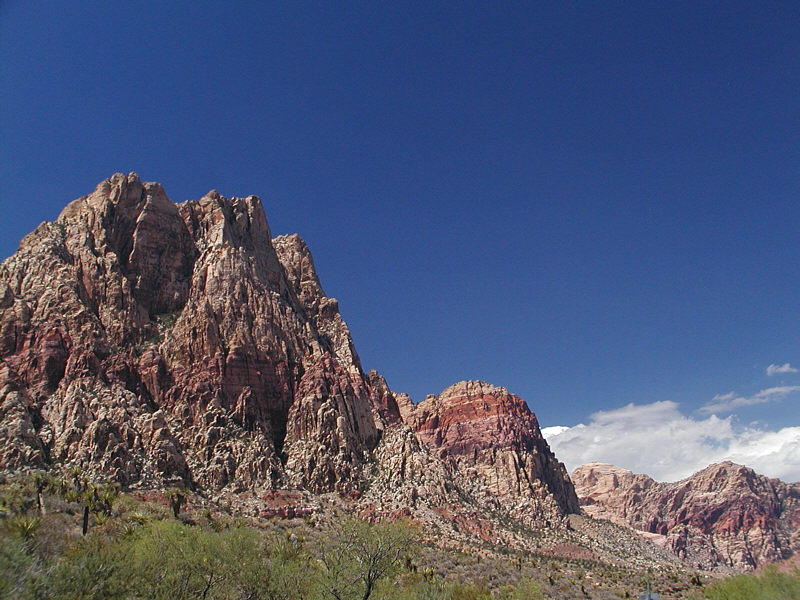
548 432
778 369
727 402
659 440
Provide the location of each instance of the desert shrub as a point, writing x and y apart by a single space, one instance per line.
525 590
771 585
468 591
421 584
273 567
171 561
18 569
55 533
93 568
355 555
17 497
23 526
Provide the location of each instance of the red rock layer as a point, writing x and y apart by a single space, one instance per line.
492 436
155 341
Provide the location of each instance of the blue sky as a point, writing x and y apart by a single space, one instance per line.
592 204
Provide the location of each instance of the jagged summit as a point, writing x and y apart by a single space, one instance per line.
467 388
177 331
152 342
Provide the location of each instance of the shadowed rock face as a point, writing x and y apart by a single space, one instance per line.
725 516
154 343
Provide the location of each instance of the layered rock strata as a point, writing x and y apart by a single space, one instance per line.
491 437
154 341
723 517
158 343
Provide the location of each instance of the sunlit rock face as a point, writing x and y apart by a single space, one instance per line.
723 517
157 343
152 341
492 437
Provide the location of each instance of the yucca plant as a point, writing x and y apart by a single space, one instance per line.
23 526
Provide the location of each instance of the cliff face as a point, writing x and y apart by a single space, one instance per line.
492 437
156 343
725 516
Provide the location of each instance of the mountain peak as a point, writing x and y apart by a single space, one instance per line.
149 342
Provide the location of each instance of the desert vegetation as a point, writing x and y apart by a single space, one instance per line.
772 584
66 537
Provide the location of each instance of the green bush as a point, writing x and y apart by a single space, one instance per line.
525 590
176 562
355 555
771 585
94 568
18 569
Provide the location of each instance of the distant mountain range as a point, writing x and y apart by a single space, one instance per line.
726 515
159 344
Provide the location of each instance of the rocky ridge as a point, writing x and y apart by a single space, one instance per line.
492 437
161 344
725 517
155 342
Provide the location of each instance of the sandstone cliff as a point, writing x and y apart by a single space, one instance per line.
162 344
723 517
492 437
155 342
158 343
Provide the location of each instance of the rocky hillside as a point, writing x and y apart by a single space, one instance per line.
725 516
163 344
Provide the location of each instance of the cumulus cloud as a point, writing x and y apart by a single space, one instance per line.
779 369
548 432
659 440
727 402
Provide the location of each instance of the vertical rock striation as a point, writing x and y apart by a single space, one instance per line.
155 342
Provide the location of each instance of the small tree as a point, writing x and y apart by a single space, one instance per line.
272 568
93 497
40 482
358 554
170 561
107 494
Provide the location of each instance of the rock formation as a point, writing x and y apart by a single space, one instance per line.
162 344
723 517
158 343
492 437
